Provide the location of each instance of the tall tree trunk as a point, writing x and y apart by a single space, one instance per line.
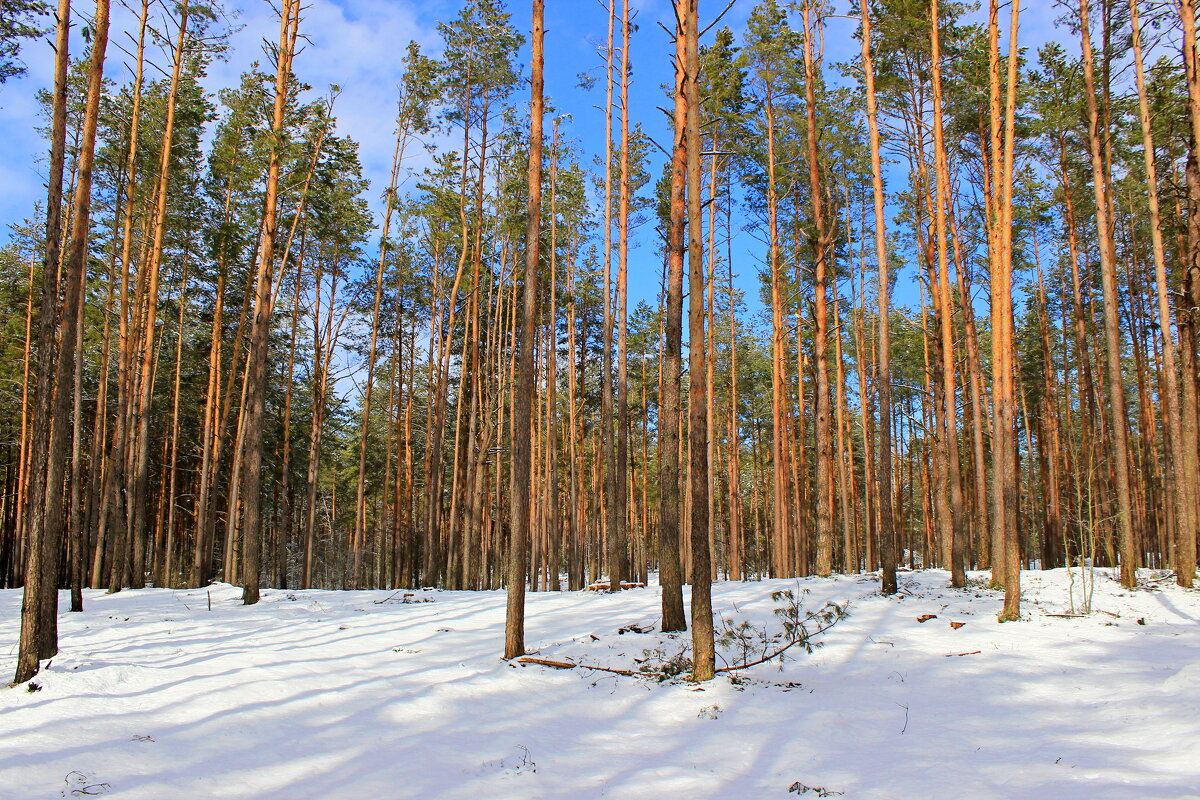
977 400
670 411
1112 323
1048 427
360 503
145 382
1188 321
620 500
613 543
113 515
166 575
821 241
883 377
56 365
285 476
256 376
781 557
552 489
703 649
842 444
76 538
735 568
521 491
210 438
1005 496
957 544
39 618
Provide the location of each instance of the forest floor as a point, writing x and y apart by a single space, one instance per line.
382 695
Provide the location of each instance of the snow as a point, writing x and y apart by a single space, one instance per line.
382 695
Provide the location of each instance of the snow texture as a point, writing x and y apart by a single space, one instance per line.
381 695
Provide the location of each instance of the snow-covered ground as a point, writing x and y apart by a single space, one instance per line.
380 696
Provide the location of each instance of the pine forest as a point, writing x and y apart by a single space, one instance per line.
766 331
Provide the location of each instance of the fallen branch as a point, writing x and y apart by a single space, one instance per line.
546 662
1081 616
956 655
798 634
780 651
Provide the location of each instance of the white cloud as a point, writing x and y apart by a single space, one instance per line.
357 46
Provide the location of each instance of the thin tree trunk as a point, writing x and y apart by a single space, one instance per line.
883 378
166 575
703 649
620 529
1112 323
360 504
957 544
141 476
781 527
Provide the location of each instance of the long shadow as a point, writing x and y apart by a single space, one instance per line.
296 707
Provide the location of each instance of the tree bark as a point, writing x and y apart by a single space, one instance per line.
670 411
703 649
521 494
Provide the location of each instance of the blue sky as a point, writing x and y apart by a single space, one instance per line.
358 45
